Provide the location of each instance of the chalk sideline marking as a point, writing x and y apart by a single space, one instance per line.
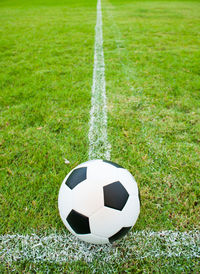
60 248
99 147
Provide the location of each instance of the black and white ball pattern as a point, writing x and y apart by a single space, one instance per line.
99 201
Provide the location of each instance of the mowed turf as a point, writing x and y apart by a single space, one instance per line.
46 58
153 83
152 79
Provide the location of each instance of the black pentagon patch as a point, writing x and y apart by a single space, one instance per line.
113 164
76 177
139 197
115 195
78 222
119 234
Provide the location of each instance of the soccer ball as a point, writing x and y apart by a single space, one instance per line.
99 201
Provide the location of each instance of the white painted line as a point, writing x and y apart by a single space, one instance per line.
99 147
57 248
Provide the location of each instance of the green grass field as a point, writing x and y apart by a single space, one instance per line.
152 74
